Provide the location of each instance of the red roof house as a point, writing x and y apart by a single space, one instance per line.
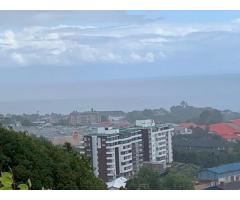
225 130
236 122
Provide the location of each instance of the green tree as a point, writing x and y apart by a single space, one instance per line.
48 166
147 179
177 181
7 182
210 116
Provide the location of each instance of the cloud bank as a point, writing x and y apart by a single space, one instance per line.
80 38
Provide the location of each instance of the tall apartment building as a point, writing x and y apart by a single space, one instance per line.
84 118
157 141
114 152
121 152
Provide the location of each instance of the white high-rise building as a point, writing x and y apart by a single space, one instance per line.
157 141
122 152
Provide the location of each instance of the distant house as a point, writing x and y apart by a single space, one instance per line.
220 175
180 130
229 131
236 122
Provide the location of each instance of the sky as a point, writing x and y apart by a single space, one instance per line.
78 58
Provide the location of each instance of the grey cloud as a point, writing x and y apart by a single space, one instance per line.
19 19
167 45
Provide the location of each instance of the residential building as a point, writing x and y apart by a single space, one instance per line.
157 141
84 118
116 113
121 152
114 152
180 130
229 130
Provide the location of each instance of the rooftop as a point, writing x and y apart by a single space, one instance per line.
117 183
225 168
236 122
225 130
122 131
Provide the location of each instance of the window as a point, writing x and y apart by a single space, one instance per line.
127 162
127 168
127 157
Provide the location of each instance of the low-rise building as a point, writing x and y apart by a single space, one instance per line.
179 130
220 175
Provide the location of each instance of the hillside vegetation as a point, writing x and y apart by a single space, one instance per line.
184 113
46 165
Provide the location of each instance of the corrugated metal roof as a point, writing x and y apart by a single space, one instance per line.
225 168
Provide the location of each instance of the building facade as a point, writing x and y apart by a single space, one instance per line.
157 141
220 175
114 152
122 152
84 118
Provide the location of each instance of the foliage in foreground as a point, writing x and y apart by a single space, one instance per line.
7 183
48 166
